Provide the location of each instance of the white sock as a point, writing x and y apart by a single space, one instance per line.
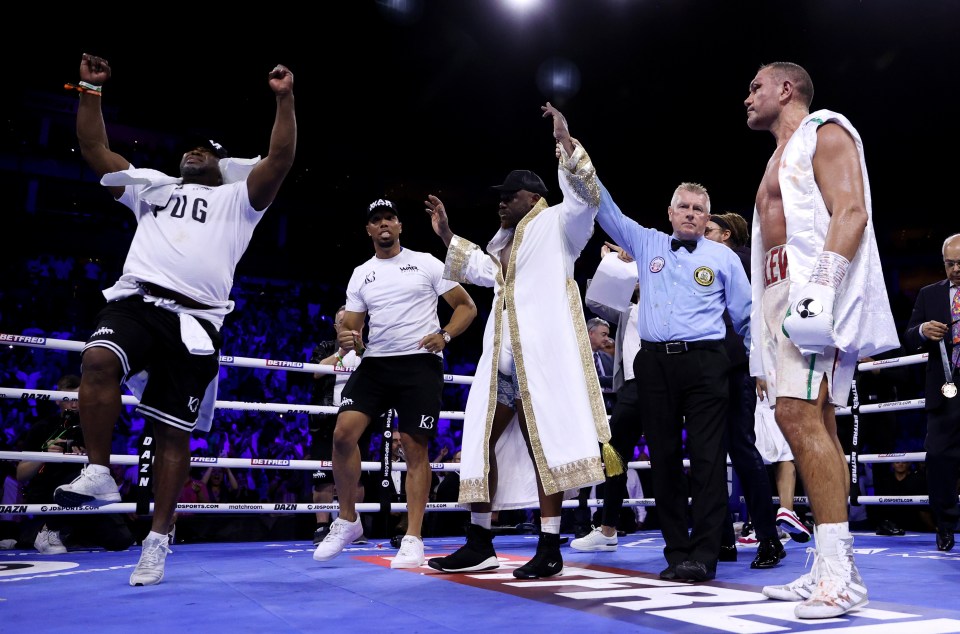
97 468
156 535
481 519
829 536
550 525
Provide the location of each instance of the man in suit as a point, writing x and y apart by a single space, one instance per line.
934 327
599 331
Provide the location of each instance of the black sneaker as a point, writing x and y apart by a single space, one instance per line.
320 533
476 555
546 563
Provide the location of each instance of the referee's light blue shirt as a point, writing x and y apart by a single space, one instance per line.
682 294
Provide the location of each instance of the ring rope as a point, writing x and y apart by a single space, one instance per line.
240 362
368 507
326 465
281 408
295 366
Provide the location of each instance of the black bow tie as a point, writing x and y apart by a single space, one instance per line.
689 245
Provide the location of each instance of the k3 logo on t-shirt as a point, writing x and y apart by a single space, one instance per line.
371 276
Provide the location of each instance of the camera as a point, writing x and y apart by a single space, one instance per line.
72 433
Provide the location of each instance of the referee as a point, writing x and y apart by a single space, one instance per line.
686 282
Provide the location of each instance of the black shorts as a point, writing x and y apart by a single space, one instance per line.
321 436
410 384
145 337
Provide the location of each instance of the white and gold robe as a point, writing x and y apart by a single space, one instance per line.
560 392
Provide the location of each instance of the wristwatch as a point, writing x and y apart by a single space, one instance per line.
443 333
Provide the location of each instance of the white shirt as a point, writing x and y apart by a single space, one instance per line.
192 245
399 295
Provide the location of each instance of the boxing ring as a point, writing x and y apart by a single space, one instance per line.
278 586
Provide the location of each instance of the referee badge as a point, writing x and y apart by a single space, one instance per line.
656 264
704 276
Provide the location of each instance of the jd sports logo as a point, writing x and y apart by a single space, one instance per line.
99 332
193 404
426 422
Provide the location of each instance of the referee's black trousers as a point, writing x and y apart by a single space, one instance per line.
692 389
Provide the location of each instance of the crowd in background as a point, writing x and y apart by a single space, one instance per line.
285 319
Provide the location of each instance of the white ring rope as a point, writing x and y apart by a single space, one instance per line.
326 465
266 463
370 507
281 408
239 362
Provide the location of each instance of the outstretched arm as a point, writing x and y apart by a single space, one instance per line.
561 132
91 131
265 179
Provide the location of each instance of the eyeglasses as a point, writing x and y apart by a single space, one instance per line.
951 263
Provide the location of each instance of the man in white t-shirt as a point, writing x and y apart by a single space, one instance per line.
402 369
165 312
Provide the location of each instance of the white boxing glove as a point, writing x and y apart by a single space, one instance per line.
809 320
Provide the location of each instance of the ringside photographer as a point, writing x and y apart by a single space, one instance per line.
60 432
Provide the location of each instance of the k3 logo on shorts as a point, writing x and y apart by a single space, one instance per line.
704 276
656 264
426 422
193 403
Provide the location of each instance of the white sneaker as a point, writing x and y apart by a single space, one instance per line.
596 541
799 589
839 586
792 524
341 533
410 554
149 570
48 542
90 488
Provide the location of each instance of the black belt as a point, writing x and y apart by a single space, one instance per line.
678 347
166 293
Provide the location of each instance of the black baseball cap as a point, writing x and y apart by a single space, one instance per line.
522 179
381 203
215 148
